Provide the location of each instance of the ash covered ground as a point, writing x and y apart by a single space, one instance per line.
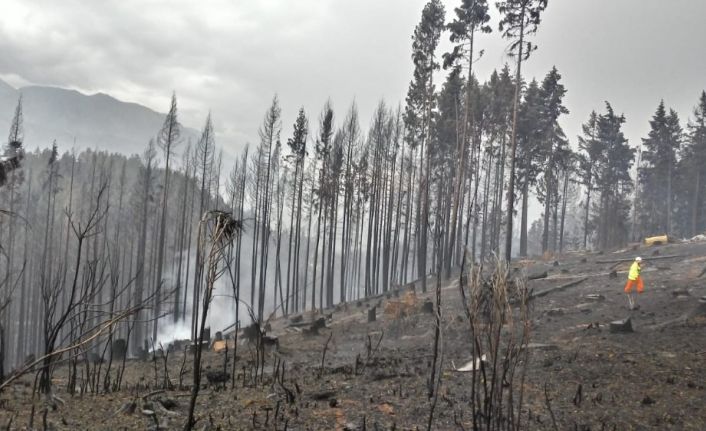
580 374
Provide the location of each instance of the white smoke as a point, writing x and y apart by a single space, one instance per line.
222 312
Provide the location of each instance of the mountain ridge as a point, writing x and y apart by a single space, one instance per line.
98 120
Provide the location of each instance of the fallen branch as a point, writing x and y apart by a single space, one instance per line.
630 259
537 276
557 288
153 393
29 367
573 277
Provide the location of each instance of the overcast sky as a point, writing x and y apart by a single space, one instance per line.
232 56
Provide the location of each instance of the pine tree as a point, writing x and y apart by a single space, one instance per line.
555 151
691 170
520 19
181 236
12 153
12 178
471 17
143 196
529 142
167 140
297 147
499 92
205 157
323 149
269 144
656 175
351 130
613 181
592 149
418 114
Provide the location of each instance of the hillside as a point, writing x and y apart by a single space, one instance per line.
98 121
355 374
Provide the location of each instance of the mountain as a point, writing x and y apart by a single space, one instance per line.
98 121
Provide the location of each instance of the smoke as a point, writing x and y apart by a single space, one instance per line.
222 310
167 334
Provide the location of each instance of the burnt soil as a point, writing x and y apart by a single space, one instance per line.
375 373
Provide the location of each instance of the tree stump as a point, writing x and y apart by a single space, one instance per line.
118 349
621 326
428 307
316 325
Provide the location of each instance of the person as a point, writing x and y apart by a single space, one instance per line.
634 279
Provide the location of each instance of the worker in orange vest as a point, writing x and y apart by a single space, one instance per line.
634 278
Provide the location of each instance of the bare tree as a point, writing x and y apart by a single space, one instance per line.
167 139
217 230
145 186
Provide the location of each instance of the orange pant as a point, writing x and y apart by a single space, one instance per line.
640 286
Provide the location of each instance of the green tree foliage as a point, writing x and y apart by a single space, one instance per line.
529 141
553 154
471 17
655 199
520 18
613 181
590 150
691 175
420 94
418 114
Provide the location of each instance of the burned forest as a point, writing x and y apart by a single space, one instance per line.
451 257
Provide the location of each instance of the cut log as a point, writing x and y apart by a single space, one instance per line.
557 288
537 276
472 365
657 240
630 259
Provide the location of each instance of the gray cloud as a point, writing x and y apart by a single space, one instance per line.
232 56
